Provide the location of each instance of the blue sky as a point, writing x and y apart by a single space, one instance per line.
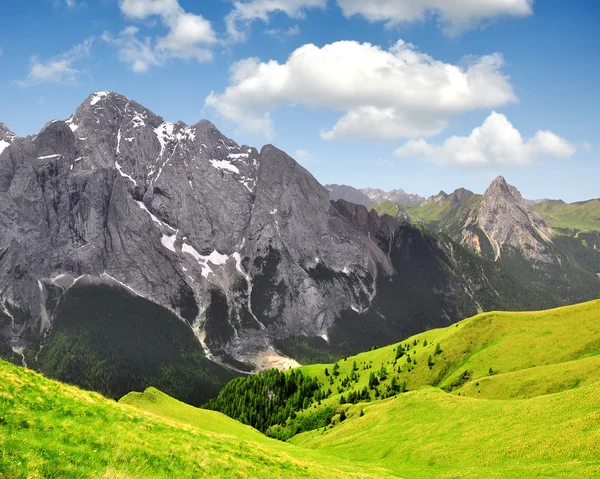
422 95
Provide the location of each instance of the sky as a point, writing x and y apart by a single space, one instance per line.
422 95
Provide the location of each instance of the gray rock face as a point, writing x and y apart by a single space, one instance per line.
506 219
6 137
231 239
243 245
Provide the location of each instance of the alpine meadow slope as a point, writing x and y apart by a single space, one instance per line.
48 429
468 428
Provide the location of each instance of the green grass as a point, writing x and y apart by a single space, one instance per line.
52 430
505 342
574 216
429 433
535 414
387 208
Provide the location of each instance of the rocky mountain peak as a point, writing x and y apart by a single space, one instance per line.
501 187
5 132
6 137
506 219
439 198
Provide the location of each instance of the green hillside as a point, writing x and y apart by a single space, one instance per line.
429 433
51 430
574 216
498 395
532 353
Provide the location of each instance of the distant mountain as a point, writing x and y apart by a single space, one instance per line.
350 194
397 196
502 227
371 196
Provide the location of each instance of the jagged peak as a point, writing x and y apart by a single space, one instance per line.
462 191
5 133
501 187
100 96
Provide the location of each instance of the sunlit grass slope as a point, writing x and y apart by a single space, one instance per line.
51 430
431 434
581 216
494 355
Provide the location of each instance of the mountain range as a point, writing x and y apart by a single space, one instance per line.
125 237
371 196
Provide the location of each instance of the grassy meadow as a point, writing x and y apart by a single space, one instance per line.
513 395
51 430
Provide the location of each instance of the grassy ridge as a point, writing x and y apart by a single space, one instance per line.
574 216
51 430
504 342
429 433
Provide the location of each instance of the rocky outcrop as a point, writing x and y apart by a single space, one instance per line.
506 220
6 137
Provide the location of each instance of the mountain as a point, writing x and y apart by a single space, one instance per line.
397 196
504 228
350 194
371 196
6 137
505 220
116 215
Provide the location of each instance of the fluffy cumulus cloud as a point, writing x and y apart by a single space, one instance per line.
245 12
454 16
381 94
59 69
496 142
189 36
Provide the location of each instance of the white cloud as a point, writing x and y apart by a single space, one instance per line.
454 16
139 53
496 142
587 146
59 69
189 35
245 12
383 95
